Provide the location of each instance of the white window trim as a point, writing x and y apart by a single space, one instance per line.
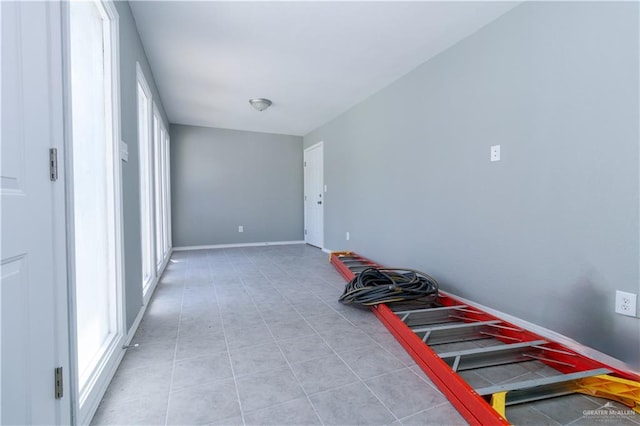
168 192
85 401
146 177
158 129
160 250
162 192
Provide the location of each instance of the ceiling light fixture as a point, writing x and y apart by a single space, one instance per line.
260 103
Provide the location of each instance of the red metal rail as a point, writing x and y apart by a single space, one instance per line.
473 407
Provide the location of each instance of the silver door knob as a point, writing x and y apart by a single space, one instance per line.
319 202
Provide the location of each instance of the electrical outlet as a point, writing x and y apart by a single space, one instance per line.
495 153
348 236
240 228
625 303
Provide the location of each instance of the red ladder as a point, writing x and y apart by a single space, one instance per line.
449 320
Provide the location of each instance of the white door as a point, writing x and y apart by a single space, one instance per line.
314 196
33 285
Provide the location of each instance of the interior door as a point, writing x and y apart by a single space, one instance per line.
314 196
33 316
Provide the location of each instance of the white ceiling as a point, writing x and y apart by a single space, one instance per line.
314 60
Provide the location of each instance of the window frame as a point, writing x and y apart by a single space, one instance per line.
86 398
145 149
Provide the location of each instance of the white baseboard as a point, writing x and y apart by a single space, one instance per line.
553 335
217 246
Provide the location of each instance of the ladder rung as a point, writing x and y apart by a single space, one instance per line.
359 268
543 381
428 316
453 332
489 356
442 308
455 326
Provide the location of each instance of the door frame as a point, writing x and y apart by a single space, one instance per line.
60 212
317 145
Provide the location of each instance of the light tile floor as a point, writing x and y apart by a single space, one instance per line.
256 336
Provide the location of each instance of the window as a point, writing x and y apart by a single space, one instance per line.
158 135
146 189
161 190
95 194
167 198
154 186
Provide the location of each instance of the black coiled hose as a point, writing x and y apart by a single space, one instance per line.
383 285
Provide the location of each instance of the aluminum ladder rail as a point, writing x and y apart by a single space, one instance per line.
449 320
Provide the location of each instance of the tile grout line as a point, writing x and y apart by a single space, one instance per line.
348 366
358 379
427 410
423 376
295 265
175 349
345 363
357 327
226 341
544 415
407 367
282 353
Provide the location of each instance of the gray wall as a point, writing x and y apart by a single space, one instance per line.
548 233
221 179
131 51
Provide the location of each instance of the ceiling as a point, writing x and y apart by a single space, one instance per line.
314 60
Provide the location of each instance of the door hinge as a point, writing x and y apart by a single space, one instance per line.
59 390
305 164
53 164
305 232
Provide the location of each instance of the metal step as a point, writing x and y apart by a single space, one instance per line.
453 332
543 388
419 317
491 356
